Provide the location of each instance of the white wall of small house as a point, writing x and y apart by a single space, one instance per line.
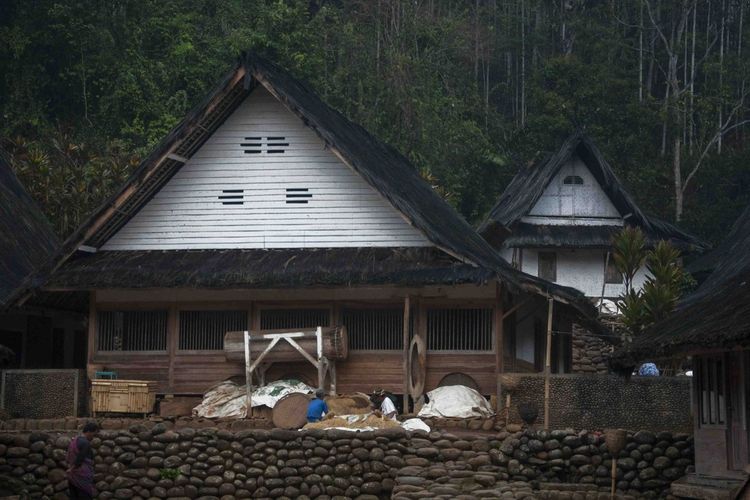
281 188
579 204
578 268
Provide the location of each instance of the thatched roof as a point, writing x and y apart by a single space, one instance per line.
385 169
258 268
527 187
716 316
26 238
721 255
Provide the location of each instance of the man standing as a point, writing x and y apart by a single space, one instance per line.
81 464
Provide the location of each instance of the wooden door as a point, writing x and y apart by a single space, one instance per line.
737 435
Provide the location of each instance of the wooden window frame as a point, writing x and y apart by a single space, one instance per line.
610 270
543 255
428 305
710 372
127 307
379 306
217 308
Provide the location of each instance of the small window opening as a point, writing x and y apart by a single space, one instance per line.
573 180
271 145
547 266
298 195
611 274
232 196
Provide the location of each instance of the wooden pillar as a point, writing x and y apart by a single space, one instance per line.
248 375
91 344
172 343
548 362
407 321
498 338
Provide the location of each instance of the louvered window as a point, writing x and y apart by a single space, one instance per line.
132 331
298 195
232 196
204 330
277 319
374 329
459 329
256 145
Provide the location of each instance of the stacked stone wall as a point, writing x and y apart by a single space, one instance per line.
209 463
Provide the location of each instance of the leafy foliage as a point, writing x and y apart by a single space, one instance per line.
468 91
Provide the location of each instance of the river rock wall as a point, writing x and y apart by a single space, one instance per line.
156 462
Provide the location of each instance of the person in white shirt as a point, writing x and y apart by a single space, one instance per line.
387 408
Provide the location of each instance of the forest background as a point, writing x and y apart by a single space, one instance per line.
469 91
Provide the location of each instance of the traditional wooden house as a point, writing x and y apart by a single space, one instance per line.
712 325
42 333
555 220
267 209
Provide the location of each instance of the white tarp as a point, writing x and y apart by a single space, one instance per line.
455 401
229 400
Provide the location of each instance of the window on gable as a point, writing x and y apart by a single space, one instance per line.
573 180
298 195
611 275
547 266
232 196
270 145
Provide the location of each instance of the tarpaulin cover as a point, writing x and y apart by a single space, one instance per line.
455 401
229 400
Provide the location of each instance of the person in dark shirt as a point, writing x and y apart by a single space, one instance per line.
317 407
81 464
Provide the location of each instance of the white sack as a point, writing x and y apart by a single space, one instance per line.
455 401
270 394
415 424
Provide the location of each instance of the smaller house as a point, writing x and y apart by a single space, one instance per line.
713 326
44 332
556 219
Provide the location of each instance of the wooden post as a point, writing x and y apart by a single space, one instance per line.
498 327
248 375
604 281
407 322
548 363
172 343
614 477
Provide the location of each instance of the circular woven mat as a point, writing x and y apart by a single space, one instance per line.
290 412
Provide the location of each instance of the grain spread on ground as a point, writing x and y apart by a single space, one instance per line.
368 422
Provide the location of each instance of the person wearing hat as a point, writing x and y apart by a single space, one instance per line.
387 408
317 407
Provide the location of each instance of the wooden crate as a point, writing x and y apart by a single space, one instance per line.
123 396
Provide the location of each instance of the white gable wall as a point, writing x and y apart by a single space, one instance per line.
562 203
341 211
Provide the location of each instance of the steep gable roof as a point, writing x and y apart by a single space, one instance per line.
716 315
26 238
384 168
527 187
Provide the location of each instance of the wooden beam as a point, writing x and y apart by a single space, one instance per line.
515 308
176 157
299 350
548 363
405 346
498 336
91 346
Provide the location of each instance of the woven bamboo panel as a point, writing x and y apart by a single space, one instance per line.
123 396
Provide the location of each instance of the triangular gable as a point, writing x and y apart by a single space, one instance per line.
530 184
574 192
265 180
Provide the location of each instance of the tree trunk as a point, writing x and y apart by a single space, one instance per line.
721 74
677 168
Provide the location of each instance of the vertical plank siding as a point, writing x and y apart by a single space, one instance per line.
265 180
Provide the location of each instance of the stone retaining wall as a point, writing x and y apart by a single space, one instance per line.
590 352
608 401
157 462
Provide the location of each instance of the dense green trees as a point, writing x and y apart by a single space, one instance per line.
469 90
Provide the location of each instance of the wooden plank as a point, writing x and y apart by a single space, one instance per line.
406 325
498 338
249 373
172 339
548 362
